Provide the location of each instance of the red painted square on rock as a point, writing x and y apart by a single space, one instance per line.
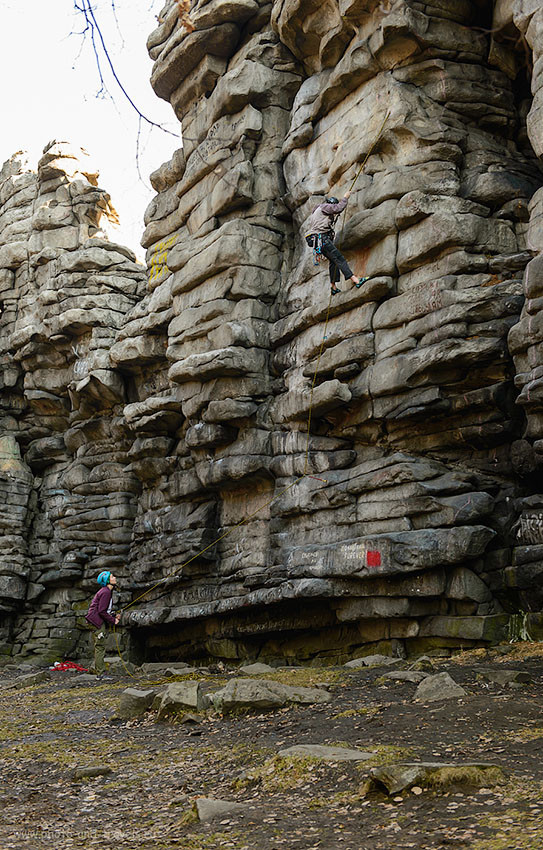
373 559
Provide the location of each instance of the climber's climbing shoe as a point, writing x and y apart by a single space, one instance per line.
335 290
361 281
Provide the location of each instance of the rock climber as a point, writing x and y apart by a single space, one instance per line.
321 239
100 613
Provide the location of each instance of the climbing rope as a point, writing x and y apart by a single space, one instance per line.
249 516
317 258
313 385
370 151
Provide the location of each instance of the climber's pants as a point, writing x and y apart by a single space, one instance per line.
337 260
99 642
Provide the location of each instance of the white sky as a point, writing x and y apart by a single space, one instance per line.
49 91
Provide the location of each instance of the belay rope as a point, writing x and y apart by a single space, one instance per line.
369 153
318 257
242 522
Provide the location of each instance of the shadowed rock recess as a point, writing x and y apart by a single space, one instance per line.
145 416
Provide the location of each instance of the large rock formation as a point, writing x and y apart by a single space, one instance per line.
281 476
66 289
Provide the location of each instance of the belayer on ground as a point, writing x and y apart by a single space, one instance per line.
101 613
321 238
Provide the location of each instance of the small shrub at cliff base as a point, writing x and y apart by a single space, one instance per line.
471 776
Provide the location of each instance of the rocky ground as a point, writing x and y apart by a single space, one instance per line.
156 777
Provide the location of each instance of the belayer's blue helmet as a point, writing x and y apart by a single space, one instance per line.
332 200
103 578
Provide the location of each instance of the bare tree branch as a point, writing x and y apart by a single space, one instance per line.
114 10
101 52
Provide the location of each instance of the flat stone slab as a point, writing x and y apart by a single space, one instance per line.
255 669
371 661
438 687
264 695
119 666
423 663
506 677
209 809
405 676
160 666
397 777
179 671
31 679
325 753
91 771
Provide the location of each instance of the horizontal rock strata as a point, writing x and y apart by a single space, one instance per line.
281 475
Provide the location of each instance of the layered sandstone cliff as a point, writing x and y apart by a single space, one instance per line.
147 419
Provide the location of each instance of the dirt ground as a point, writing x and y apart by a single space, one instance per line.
159 769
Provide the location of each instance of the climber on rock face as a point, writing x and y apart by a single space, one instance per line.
321 239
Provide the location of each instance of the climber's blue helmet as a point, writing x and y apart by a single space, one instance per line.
332 200
103 578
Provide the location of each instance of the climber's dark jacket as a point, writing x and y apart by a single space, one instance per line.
322 217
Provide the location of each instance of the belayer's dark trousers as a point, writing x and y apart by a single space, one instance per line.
337 260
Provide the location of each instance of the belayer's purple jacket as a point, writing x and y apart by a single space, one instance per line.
98 613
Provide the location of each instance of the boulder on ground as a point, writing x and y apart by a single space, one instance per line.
264 695
179 696
31 679
159 667
255 669
440 686
91 771
117 665
134 702
178 671
209 809
371 661
415 676
506 677
424 663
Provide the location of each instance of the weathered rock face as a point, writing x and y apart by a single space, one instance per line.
69 504
303 478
